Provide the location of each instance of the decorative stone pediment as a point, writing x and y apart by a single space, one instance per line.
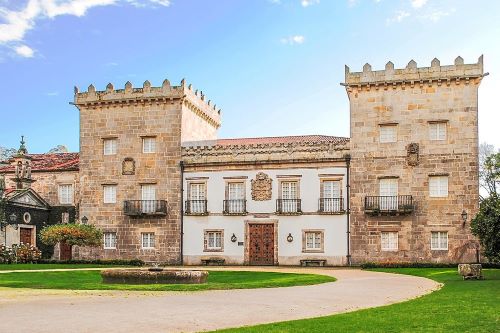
261 187
28 198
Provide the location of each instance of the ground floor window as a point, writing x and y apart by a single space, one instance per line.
312 241
439 240
389 241
148 240
110 240
214 240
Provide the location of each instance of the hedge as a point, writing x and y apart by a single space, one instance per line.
419 265
121 262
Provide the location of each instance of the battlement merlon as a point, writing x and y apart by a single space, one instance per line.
194 100
416 75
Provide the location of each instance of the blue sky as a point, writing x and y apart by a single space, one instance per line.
274 67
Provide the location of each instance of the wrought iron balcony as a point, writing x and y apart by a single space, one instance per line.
145 207
331 205
387 205
235 207
196 207
289 206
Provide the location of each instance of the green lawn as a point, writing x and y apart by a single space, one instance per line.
18 267
460 306
91 280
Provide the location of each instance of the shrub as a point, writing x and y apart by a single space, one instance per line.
121 262
7 256
71 234
367 265
25 253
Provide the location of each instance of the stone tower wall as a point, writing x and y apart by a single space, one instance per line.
411 98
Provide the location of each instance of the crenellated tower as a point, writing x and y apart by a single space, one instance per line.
414 147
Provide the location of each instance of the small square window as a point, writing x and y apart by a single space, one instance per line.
388 133
389 241
214 241
109 146
437 131
110 240
148 240
439 240
149 145
438 186
312 241
65 194
109 193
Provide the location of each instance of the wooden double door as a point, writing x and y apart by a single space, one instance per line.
261 243
26 236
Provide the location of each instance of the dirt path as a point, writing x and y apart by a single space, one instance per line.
53 311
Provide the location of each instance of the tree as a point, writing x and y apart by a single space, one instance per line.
486 226
58 149
489 169
71 234
6 153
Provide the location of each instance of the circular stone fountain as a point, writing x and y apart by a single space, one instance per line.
153 275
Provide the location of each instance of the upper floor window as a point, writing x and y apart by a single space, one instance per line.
110 240
439 240
388 133
197 203
109 193
148 196
148 240
149 144
331 189
109 146
289 190
437 131
438 186
389 241
235 191
66 194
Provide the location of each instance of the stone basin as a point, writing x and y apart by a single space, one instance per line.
146 276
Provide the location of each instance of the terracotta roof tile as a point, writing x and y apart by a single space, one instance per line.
49 162
284 139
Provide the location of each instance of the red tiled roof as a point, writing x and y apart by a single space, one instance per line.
284 139
49 162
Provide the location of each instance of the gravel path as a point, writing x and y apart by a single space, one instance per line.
54 311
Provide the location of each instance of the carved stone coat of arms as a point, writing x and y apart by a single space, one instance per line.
261 187
412 151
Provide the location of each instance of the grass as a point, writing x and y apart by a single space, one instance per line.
460 306
18 267
91 280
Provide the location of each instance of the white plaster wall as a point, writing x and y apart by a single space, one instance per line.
13 234
334 226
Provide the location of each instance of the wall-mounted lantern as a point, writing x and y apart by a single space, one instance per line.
13 220
464 217
85 220
289 238
233 238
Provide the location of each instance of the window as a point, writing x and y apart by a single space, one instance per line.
148 195
110 240
330 196
439 240
289 197
149 145
109 193
388 133
438 186
313 241
148 240
214 240
66 194
235 196
197 198
389 241
65 217
388 192
437 131
109 146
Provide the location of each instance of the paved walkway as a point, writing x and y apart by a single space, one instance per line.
54 311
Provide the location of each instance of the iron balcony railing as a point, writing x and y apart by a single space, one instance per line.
401 204
145 207
331 205
288 206
196 207
235 207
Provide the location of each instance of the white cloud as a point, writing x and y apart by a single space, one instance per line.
52 93
436 14
352 3
307 3
418 3
293 40
399 16
24 51
16 23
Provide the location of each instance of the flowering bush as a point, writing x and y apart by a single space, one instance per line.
26 253
71 234
7 256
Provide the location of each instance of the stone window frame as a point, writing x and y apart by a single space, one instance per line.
115 240
304 241
206 233
149 241
155 146
438 122
287 179
70 202
235 180
386 125
439 248
111 185
322 180
388 249
435 176
109 139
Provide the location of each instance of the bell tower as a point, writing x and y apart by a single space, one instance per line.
22 163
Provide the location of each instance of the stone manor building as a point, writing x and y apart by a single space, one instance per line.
153 175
